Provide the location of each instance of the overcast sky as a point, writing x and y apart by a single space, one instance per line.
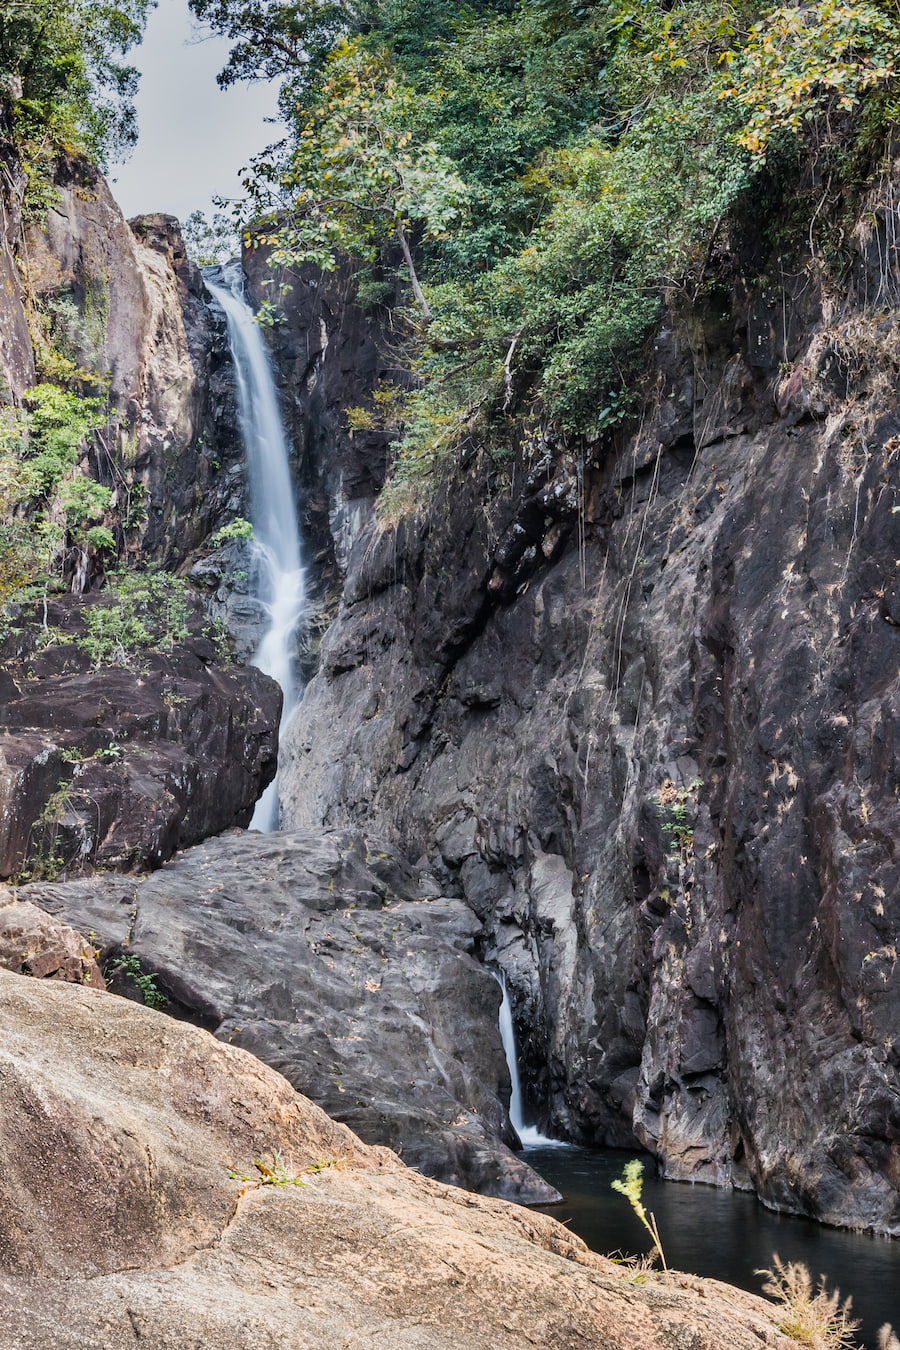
194 137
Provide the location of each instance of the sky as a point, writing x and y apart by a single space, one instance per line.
194 137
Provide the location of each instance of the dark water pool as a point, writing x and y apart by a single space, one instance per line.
724 1234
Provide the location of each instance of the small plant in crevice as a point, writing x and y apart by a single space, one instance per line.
277 1172
677 802
638 1267
235 531
130 965
631 1185
808 1312
45 856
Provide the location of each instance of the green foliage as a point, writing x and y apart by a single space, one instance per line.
548 171
799 63
100 538
356 176
273 40
45 860
235 531
142 611
631 1185
210 241
64 86
679 803
130 964
65 337
18 483
83 500
58 421
40 485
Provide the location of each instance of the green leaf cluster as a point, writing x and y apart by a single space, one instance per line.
57 422
45 500
548 170
141 611
62 77
236 531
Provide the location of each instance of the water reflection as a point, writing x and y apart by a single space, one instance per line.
727 1235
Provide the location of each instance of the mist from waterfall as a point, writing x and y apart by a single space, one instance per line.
279 574
530 1135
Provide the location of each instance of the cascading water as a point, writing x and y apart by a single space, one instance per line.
281 580
530 1136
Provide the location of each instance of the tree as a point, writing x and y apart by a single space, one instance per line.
357 176
61 74
277 41
210 241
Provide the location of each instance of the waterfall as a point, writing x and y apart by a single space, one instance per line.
530 1136
280 578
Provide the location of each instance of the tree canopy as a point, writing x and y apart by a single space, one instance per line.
544 170
62 76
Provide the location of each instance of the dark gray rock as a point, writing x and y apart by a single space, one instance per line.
120 766
317 953
640 713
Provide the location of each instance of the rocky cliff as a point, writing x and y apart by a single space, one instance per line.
634 702
127 307
111 754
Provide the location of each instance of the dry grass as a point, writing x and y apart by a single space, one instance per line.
809 1313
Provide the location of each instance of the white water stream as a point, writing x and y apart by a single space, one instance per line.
530 1135
281 580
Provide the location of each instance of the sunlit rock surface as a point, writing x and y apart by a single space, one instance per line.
123 1136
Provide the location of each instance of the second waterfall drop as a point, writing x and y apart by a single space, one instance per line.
529 1135
273 513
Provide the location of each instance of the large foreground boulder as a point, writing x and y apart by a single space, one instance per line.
121 1222
335 962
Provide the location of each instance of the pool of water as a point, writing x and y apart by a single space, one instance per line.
725 1234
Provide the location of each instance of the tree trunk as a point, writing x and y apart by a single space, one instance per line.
413 278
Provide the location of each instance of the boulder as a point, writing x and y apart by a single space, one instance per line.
119 766
34 943
335 962
162 1187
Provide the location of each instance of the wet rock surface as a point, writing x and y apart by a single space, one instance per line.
638 710
343 968
121 1219
119 766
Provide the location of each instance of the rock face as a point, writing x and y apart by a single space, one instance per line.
120 766
125 307
16 355
126 304
33 943
121 1219
638 709
338 965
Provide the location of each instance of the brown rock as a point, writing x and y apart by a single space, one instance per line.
119 767
119 1223
34 943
